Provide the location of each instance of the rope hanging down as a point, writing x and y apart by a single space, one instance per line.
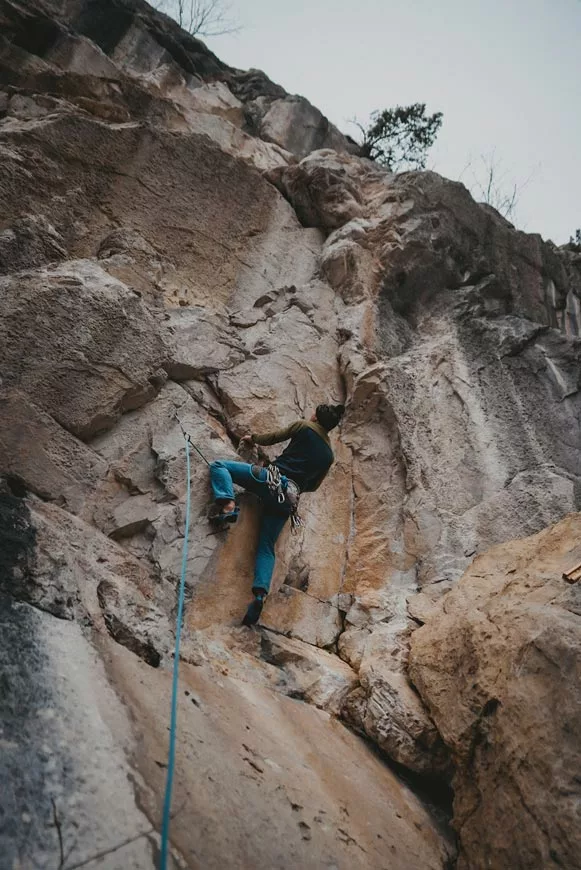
176 665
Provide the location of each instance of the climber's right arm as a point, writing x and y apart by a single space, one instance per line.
279 435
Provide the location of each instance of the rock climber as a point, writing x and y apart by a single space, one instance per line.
301 467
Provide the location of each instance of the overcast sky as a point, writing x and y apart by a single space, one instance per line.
505 73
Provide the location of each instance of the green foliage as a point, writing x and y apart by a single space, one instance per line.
399 138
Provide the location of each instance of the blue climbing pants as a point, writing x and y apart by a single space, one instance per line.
223 474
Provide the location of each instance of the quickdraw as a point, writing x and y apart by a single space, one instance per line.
274 481
290 495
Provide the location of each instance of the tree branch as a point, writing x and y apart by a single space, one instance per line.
201 17
59 831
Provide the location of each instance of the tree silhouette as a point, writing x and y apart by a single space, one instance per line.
400 138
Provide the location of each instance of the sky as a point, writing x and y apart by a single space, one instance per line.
505 73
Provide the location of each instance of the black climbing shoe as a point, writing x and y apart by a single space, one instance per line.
220 519
252 615
230 517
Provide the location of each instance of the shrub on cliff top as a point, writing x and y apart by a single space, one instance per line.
400 138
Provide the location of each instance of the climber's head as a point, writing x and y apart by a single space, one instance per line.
328 416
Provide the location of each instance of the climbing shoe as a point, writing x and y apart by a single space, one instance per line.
252 615
220 519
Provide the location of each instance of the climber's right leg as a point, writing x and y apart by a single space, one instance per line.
223 475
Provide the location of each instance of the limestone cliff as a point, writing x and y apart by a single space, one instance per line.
180 236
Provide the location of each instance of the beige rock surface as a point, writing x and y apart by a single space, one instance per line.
43 457
498 666
246 753
314 675
296 788
79 343
299 127
389 711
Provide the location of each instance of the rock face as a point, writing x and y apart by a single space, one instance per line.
185 243
498 665
74 325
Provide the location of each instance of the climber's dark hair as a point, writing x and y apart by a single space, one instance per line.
329 415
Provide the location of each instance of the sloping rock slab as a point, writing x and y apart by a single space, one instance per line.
268 782
65 738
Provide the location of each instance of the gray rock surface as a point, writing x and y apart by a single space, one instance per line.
68 736
44 458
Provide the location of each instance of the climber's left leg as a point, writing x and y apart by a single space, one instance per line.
270 528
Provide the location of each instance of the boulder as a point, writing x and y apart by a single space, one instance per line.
79 343
42 457
291 122
497 665
320 190
387 710
299 127
74 572
312 675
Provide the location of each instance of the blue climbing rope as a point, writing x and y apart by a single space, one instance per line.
174 688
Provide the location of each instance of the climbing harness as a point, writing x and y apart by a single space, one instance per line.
289 496
176 665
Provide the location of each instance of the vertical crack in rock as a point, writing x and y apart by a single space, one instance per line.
17 537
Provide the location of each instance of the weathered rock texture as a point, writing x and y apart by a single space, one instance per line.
498 664
182 239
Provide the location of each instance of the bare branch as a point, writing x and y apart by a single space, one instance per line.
201 17
489 182
357 124
59 831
